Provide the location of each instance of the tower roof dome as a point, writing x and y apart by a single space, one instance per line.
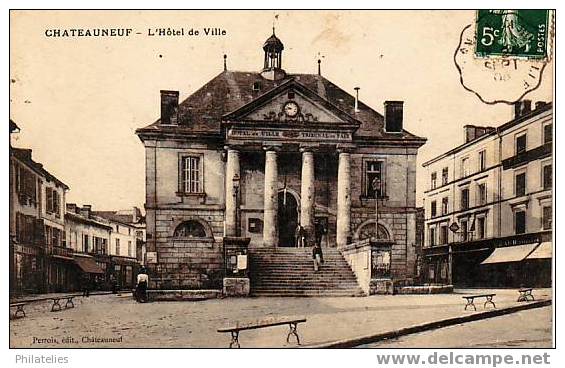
273 43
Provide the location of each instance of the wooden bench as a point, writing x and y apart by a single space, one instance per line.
471 299
69 304
19 309
525 295
270 322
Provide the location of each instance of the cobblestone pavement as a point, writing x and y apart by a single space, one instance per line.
525 329
194 324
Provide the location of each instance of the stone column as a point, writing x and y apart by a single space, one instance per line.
343 199
271 199
307 194
232 170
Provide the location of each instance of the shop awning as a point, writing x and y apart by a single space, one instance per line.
64 258
515 253
544 250
88 265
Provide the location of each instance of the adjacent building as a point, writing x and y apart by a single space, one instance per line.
488 207
254 154
88 236
122 248
39 258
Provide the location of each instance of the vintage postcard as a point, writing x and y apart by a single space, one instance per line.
282 179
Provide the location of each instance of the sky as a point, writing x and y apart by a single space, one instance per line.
78 100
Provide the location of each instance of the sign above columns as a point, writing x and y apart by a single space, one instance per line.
288 135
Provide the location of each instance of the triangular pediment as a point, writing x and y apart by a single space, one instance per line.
291 102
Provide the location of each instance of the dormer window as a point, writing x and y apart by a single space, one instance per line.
256 86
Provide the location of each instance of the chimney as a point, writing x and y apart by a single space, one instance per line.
357 98
85 210
470 132
540 104
393 116
522 107
169 107
72 207
473 132
136 214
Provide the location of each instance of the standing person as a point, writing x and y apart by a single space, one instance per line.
141 287
299 234
113 283
320 230
85 284
317 256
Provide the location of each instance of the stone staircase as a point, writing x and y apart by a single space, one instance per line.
290 272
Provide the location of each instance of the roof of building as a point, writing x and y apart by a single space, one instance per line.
517 120
87 220
24 155
203 111
125 219
273 42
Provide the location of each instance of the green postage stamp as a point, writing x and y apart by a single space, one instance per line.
512 33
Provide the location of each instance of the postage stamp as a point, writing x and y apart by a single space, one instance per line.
501 57
512 33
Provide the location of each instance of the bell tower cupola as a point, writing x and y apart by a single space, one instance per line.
272 67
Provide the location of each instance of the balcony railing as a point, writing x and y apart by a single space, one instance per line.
527 156
58 251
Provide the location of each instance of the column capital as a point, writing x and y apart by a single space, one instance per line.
345 148
231 148
272 147
308 147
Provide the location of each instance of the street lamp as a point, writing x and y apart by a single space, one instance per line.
236 200
376 184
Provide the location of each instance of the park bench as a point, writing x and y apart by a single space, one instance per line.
525 294
471 299
19 309
69 302
20 304
270 322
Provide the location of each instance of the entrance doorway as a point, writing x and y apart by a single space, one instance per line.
287 219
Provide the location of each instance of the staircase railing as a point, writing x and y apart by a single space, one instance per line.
370 260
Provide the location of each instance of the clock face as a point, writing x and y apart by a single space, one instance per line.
290 109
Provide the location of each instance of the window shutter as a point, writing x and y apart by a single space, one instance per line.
48 200
181 173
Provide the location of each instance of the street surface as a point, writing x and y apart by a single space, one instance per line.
525 329
118 321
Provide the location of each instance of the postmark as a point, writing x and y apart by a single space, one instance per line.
497 69
512 33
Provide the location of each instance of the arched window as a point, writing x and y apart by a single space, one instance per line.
368 231
190 229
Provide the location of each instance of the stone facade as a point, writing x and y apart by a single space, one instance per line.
254 155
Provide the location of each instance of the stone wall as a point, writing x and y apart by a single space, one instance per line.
188 263
401 226
358 256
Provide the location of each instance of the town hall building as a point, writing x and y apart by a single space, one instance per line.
253 155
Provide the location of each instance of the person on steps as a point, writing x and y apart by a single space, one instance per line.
317 257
